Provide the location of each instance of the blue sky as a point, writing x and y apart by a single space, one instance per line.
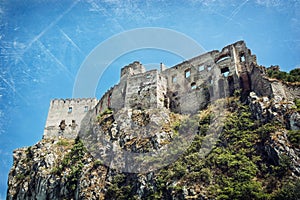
44 42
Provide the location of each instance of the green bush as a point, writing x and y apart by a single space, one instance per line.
20 177
294 137
292 76
63 142
289 191
119 188
107 111
72 160
297 103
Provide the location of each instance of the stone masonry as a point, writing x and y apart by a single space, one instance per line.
64 116
183 88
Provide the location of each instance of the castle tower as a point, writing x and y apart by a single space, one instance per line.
132 69
64 116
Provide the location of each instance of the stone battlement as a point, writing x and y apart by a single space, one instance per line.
70 101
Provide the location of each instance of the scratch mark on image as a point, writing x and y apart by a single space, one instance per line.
36 38
236 11
62 66
71 41
102 10
11 86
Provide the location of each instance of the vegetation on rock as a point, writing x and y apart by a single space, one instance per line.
72 162
237 168
292 76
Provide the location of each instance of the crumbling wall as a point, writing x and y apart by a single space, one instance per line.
218 73
285 91
134 68
162 98
141 91
106 101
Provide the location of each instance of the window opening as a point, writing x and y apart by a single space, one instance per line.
201 68
174 79
193 86
223 58
187 73
242 58
225 71
108 100
62 125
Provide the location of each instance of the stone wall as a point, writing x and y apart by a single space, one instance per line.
141 92
64 116
216 73
186 86
115 97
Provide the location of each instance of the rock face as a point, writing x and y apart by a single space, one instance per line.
64 168
89 146
282 112
49 170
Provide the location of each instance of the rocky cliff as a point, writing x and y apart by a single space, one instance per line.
252 153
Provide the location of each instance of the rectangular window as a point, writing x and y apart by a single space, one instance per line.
86 108
187 73
201 68
70 110
174 79
210 80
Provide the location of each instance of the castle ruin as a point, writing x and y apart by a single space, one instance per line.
183 88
